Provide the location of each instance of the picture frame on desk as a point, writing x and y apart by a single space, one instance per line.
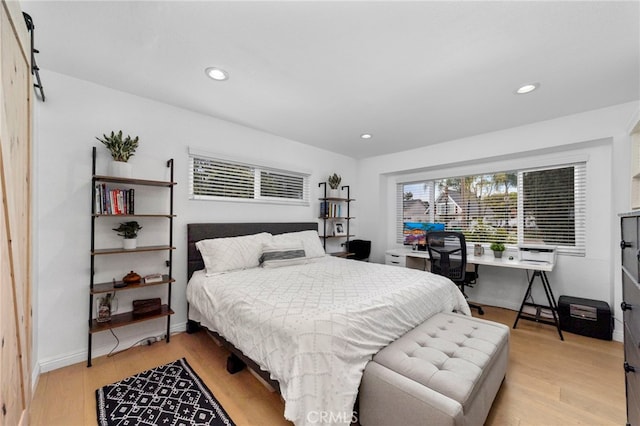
339 229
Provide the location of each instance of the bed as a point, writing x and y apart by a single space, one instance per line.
312 324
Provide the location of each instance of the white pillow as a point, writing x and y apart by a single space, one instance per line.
232 253
310 242
282 253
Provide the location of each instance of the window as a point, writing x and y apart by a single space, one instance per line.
542 206
212 178
553 205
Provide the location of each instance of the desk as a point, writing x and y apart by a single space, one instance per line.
418 260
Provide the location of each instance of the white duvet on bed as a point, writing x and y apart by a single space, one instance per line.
315 326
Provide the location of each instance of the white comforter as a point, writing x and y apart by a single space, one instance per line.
315 326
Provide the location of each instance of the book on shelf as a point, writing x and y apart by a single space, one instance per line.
153 278
131 203
113 201
324 209
329 209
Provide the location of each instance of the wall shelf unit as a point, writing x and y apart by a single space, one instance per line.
331 212
100 289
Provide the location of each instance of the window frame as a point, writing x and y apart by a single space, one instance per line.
257 171
580 192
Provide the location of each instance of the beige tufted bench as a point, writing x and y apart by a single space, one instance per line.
446 371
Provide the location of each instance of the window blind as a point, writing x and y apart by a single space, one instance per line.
211 178
281 185
531 206
399 212
552 207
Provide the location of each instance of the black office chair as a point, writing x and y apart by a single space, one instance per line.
360 249
448 257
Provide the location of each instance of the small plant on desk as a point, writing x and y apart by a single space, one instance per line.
497 248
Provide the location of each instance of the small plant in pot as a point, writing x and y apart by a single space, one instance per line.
129 230
334 182
497 248
121 150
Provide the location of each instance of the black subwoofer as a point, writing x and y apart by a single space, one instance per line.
587 317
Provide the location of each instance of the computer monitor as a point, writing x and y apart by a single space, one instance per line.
416 232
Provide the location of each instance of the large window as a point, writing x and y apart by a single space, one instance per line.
542 206
212 178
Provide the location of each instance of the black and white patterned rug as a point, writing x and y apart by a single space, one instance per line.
171 394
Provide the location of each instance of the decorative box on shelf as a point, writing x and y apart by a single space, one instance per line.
146 306
153 278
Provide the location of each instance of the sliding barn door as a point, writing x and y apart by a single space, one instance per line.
15 216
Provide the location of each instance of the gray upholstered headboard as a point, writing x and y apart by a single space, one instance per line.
203 231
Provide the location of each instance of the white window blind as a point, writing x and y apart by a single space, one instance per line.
552 207
399 211
212 178
281 185
536 206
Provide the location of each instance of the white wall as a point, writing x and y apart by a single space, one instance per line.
65 129
77 111
600 137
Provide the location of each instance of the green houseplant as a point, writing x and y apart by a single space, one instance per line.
497 248
122 149
334 182
129 230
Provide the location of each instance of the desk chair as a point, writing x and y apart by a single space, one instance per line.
448 256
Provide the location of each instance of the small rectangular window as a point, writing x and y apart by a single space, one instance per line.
281 185
212 178
218 179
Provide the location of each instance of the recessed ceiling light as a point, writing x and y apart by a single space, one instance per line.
216 73
366 136
527 88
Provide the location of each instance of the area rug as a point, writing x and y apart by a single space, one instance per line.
171 394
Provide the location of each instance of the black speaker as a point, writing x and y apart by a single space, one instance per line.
591 318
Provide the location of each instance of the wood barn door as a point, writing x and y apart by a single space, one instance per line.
15 216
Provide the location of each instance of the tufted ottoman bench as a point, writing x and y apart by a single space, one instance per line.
446 371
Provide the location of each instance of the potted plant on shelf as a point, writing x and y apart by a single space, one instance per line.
129 230
334 182
121 150
497 248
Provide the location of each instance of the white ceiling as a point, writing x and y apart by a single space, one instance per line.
322 73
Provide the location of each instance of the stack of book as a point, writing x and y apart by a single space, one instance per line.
329 209
114 200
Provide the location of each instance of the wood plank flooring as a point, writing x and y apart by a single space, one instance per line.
549 382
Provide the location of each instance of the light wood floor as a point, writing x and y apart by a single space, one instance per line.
576 382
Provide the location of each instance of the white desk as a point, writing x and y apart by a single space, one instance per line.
419 260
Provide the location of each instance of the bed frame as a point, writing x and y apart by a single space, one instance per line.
237 361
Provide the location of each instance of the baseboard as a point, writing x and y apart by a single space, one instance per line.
35 378
506 304
618 335
71 358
